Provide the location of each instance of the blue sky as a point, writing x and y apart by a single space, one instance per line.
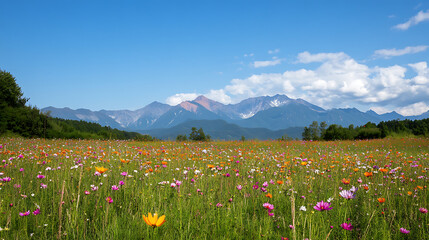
127 54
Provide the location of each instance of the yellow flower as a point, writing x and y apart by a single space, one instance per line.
101 169
154 221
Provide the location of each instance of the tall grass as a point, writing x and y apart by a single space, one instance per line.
207 204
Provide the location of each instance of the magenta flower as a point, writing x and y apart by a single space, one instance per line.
114 187
24 213
219 205
347 226
121 183
239 187
109 200
87 193
40 176
36 212
124 174
7 179
405 231
255 187
265 184
322 206
423 210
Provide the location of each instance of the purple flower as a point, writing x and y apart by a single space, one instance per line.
423 210
36 212
405 231
347 226
322 206
347 194
255 186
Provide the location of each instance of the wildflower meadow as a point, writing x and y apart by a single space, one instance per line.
88 189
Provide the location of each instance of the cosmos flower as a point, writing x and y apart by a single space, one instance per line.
268 206
405 231
24 213
347 194
114 187
109 200
40 176
239 187
154 221
347 226
423 210
36 212
323 206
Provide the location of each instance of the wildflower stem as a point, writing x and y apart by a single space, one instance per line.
61 210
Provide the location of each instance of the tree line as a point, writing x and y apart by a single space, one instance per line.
16 118
322 131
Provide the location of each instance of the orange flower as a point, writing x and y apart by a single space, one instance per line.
381 200
345 181
304 163
355 169
368 174
210 165
279 182
269 195
383 170
125 161
164 163
409 193
365 187
154 221
101 169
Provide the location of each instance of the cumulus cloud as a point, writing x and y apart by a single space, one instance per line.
388 53
420 17
414 109
258 64
337 81
181 97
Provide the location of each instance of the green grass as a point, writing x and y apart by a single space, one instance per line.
191 211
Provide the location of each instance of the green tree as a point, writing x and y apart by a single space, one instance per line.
10 93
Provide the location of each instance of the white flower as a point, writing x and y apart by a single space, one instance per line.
303 208
330 199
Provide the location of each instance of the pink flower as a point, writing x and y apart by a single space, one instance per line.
124 174
43 185
265 184
109 199
239 187
268 206
114 187
7 179
178 183
347 226
405 231
87 193
97 174
37 211
40 176
24 213
219 205
121 183
322 206
423 210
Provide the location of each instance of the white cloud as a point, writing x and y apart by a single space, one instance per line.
414 109
306 57
420 17
258 64
422 73
380 110
337 81
274 51
180 97
388 53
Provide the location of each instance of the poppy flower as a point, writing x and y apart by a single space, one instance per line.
154 221
101 169
368 174
381 200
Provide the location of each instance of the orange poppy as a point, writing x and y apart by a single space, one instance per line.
368 174
381 200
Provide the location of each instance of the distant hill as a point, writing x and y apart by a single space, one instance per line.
220 129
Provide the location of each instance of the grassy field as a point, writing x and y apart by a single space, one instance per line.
71 189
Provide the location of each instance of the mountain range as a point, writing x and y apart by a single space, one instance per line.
269 114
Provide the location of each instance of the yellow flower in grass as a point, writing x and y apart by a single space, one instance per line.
154 221
101 169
